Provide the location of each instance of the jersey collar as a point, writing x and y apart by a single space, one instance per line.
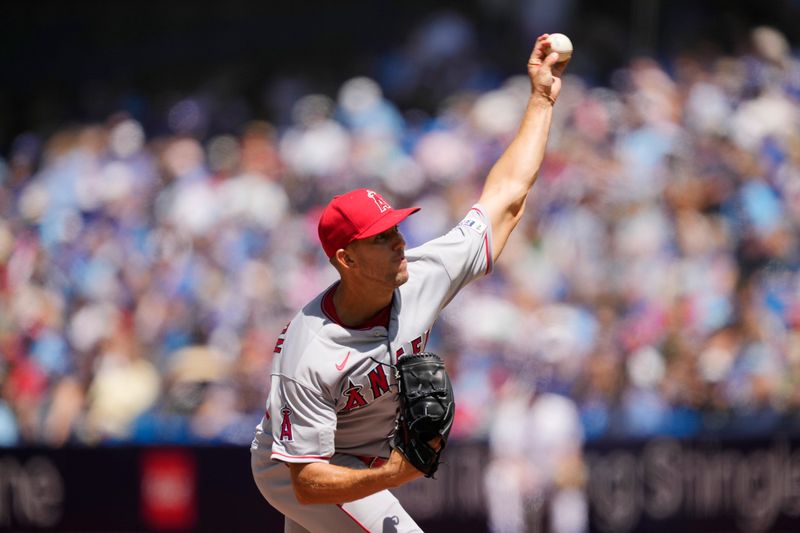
380 319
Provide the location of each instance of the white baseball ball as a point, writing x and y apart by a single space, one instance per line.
560 43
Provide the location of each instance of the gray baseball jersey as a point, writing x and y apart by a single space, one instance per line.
333 390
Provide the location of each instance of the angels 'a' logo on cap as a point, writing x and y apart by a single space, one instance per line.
382 204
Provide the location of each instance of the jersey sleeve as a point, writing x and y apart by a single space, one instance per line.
465 251
303 423
448 263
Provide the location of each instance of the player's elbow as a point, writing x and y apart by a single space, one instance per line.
303 483
303 498
506 199
303 493
516 209
513 213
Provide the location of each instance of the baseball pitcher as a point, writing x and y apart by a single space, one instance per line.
331 444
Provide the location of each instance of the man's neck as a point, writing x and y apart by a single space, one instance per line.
356 304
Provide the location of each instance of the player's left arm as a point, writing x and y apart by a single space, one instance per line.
512 176
318 483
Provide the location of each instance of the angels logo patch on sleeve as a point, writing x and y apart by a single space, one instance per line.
286 425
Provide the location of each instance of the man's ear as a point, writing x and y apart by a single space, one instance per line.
343 258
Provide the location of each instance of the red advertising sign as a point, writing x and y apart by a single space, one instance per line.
168 489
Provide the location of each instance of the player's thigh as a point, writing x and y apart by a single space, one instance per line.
293 527
378 513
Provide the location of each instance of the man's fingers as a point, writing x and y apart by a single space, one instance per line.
542 43
558 69
537 55
544 70
550 60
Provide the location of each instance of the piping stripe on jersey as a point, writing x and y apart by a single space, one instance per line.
341 506
287 456
488 256
485 245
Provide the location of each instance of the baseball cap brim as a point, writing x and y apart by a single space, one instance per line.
390 219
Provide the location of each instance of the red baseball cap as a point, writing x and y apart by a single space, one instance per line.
355 215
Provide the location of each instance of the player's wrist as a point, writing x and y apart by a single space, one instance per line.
541 100
397 470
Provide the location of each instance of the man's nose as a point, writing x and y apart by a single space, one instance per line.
399 241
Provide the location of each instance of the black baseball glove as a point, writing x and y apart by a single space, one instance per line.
427 409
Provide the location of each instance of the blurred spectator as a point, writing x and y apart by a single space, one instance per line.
535 479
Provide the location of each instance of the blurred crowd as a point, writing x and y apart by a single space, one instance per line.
653 283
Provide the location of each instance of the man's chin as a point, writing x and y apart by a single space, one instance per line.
401 278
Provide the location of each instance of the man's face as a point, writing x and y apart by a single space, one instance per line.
381 258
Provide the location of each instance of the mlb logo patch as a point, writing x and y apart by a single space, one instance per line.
475 225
